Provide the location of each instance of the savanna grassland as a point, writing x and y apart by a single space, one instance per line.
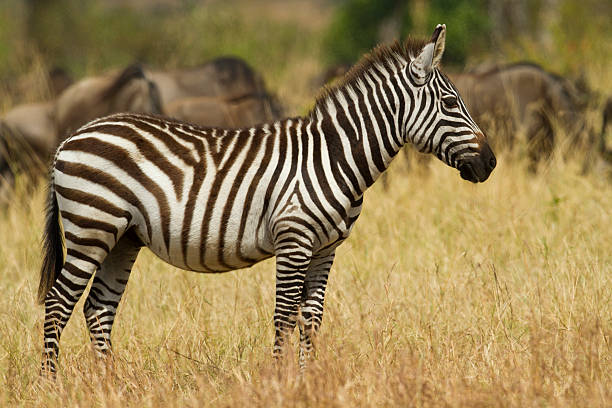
446 294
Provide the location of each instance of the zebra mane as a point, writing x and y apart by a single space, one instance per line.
388 56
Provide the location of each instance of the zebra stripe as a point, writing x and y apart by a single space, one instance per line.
213 200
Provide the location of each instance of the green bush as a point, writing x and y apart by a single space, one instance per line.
467 24
355 26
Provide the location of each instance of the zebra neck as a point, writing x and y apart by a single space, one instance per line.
362 132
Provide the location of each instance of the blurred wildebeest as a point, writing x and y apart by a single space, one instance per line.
240 112
37 84
59 79
29 133
126 91
524 98
229 77
223 92
605 123
35 122
331 74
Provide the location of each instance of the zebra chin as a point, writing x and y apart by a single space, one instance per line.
478 168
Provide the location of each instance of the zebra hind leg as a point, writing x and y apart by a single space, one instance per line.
108 286
80 264
311 306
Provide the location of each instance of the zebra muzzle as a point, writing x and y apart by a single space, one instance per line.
478 168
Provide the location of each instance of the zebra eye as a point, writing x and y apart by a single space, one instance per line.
450 101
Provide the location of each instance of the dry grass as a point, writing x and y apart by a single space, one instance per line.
447 294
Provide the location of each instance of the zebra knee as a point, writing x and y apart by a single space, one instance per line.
312 313
89 310
99 322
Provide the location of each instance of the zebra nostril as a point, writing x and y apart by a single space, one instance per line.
492 162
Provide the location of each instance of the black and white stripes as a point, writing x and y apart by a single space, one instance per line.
214 200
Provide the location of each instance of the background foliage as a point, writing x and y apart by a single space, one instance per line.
358 24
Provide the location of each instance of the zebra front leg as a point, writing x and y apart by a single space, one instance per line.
311 306
106 291
291 265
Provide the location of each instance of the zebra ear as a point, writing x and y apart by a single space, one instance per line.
439 40
429 57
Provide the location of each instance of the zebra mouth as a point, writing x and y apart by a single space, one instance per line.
469 173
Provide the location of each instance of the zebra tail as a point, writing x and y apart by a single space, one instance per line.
53 249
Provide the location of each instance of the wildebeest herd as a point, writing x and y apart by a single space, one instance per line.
506 101
223 92
524 99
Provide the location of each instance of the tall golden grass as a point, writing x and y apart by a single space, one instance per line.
446 294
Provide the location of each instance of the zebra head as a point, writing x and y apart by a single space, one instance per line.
441 124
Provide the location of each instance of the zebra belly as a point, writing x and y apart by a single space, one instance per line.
208 265
212 257
215 240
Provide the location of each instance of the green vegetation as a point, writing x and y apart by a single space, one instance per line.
558 36
357 24
468 25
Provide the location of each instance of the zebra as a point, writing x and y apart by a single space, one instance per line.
213 200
